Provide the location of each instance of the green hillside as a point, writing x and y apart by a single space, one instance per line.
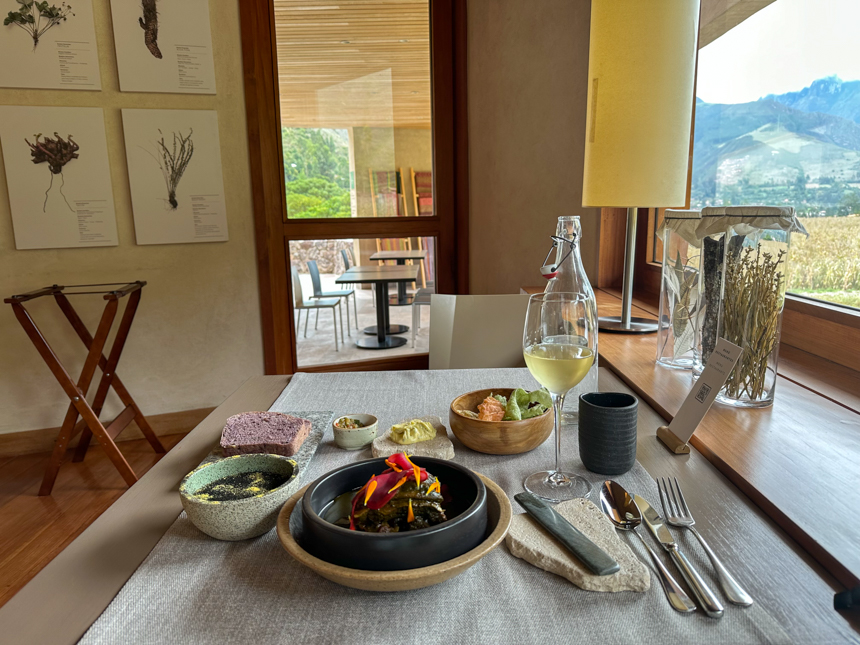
767 152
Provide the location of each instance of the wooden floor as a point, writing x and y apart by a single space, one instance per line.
33 530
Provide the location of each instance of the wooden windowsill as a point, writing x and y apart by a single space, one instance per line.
797 460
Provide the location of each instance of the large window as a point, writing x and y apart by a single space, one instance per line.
778 123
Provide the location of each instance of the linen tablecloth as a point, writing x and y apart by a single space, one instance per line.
194 589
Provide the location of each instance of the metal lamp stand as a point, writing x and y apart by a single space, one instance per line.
625 324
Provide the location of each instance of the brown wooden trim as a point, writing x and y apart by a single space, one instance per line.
362 227
259 62
613 234
646 275
27 442
460 230
396 364
823 310
820 336
450 143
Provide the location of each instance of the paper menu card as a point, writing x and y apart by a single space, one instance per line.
721 363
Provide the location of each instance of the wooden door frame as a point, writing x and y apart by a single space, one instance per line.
273 230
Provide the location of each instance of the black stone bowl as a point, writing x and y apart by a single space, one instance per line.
465 528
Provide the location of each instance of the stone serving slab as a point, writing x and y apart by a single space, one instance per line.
440 446
320 422
530 541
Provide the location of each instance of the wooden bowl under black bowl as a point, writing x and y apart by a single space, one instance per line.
465 529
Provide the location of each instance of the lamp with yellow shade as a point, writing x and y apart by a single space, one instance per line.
641 70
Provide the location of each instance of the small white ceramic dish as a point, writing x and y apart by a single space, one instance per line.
355 438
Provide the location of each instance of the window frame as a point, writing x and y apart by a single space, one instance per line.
274 230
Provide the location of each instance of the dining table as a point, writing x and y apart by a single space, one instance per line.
383 332
141 573
400 256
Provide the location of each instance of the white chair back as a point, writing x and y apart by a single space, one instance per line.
298 296
468 332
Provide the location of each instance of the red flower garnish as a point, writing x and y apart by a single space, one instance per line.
377 492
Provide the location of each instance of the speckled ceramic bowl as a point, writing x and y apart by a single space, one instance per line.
238 519
355 438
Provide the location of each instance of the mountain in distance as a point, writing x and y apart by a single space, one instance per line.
800 149
827 95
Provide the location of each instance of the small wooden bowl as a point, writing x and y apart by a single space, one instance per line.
499 515
497 437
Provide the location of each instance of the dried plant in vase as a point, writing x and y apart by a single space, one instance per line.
36 18
173 162
752 303
56 152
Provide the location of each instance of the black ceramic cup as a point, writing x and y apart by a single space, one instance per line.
465 529
607 432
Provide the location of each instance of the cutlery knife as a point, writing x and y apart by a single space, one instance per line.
591 555
705 595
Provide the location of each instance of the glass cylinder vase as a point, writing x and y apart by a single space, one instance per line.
679 289
755 275
743 279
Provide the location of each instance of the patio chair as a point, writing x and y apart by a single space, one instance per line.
313 269
421 298
346 261
299 304
468 332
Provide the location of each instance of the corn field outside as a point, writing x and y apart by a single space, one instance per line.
826 265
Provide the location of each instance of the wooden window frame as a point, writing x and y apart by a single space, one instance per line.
274 230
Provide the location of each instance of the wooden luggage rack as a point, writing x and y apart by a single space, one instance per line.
89 424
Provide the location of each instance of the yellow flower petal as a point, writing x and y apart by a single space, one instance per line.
410 516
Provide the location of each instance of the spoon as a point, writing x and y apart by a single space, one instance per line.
618 505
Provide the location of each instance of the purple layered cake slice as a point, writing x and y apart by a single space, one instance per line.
267 432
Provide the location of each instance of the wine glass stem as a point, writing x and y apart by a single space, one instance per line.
557 404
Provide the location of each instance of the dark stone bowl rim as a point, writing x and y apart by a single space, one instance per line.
475 508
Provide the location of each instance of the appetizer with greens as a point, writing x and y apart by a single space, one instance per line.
402 498
519 405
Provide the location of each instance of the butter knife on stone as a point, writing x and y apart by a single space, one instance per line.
591 555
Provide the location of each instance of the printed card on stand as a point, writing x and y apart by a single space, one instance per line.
721 363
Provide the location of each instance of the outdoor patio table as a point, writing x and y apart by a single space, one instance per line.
73 591
381 276
400 257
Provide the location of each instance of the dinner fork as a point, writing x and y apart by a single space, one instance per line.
677 514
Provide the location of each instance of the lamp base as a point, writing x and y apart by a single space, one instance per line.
637 325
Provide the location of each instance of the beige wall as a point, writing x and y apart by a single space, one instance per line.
197 332
527 85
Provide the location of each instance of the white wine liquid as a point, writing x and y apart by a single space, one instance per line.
558 367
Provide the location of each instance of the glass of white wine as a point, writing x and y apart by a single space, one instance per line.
559 345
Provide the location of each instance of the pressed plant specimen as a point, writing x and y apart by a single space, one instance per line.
173 160
149 23
56 152
682 292
752 302
36 18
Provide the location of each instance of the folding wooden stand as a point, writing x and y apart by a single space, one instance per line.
77 393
